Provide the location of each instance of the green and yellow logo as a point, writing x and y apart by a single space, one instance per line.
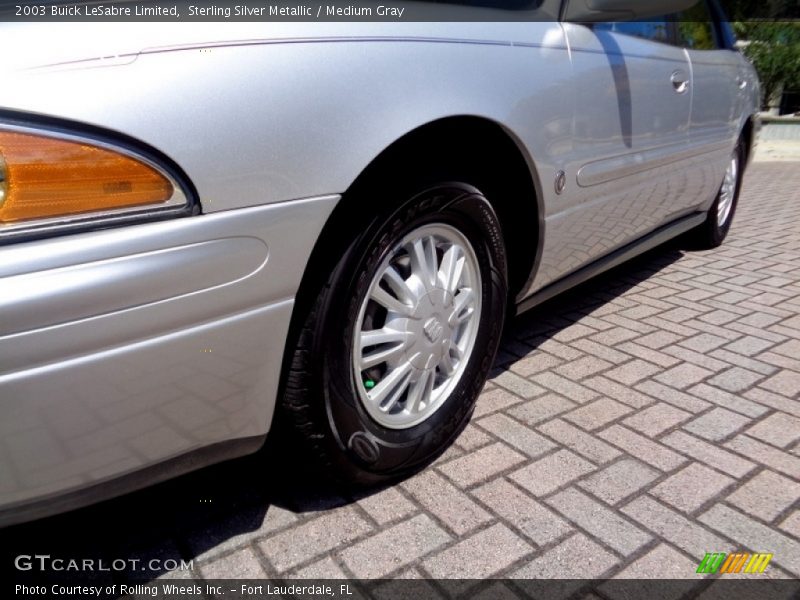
739 562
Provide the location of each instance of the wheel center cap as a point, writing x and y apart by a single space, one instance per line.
429 330
433 329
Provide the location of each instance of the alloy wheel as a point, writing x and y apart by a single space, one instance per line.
417 326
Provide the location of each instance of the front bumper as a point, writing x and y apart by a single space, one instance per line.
125 348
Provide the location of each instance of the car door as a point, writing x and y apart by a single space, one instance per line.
633 102
718 90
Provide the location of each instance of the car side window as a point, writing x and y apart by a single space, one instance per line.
695 28
655 29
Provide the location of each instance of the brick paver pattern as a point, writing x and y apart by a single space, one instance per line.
650 417
630 427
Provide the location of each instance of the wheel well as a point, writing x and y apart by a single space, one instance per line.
748 136
469 149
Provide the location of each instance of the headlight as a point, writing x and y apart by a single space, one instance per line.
51 181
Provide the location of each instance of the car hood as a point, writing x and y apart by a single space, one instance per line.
57 45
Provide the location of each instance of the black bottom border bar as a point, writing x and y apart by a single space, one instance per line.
756 587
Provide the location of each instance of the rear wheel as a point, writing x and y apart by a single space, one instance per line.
395 349
712 232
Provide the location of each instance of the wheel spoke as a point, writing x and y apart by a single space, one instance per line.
446 365
420 392
382 336
463 308
369 360
389 302
390 389
399 286
451 269
423 261
463 315
392 344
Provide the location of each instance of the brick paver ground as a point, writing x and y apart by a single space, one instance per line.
636 423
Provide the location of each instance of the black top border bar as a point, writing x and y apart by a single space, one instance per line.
389 11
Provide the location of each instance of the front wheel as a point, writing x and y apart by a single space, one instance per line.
400 340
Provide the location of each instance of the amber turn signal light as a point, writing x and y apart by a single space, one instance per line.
43 177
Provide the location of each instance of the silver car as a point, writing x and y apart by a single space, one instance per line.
211 230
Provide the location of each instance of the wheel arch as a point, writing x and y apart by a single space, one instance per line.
495 161
748 135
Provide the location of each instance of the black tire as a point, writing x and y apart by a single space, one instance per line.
711 233
319 397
